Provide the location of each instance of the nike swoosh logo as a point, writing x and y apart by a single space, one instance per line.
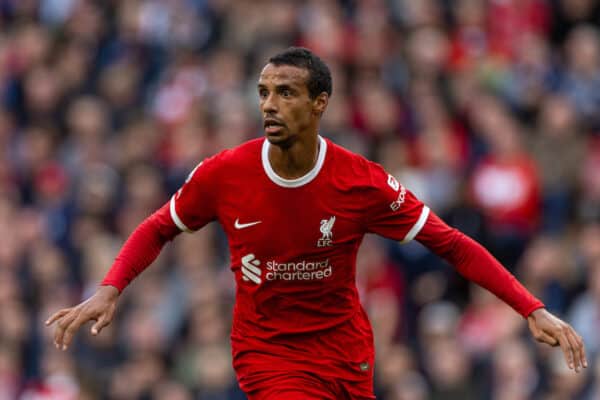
247 225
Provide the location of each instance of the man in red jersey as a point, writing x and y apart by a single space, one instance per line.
295 207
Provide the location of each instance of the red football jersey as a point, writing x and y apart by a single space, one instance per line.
293 245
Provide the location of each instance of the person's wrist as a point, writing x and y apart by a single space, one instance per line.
538 312
108 291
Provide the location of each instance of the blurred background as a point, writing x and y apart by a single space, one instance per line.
487 110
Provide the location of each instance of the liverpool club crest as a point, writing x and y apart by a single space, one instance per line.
326 230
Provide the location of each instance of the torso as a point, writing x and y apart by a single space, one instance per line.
293 246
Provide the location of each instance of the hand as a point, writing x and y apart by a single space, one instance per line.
547 328
100 308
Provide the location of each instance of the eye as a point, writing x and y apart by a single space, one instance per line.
263 93
286 93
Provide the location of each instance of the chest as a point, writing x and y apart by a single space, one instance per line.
278 221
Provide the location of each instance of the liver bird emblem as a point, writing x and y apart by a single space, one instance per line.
326 227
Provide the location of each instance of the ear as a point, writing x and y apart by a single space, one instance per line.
320 103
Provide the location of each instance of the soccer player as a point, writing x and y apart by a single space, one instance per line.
295 207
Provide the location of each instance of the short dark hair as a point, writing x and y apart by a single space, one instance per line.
319 76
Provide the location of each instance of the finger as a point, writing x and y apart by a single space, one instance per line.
540 335
103 321
566 348
573 343
578 353
543 337
61 327
72 329
583 356
57 315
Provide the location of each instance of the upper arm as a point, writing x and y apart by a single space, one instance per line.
393 211
195 203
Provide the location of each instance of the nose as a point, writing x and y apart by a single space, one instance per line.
269 104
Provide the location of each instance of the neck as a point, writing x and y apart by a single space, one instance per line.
296 160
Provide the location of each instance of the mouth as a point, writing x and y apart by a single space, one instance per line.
272 125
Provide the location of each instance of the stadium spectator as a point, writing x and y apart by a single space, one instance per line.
56 54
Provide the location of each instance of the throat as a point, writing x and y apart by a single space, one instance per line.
294 161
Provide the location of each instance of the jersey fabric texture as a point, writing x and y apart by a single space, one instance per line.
301 385
293 246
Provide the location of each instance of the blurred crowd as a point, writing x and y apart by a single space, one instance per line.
489 110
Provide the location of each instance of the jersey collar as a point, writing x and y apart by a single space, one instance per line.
297 182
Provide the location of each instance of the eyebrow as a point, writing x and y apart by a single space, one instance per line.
277 87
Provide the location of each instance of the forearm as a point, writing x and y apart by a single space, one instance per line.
141 248
476 264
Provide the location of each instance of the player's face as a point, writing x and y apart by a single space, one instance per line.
287 109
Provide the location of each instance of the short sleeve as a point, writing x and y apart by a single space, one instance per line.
194 204
393 211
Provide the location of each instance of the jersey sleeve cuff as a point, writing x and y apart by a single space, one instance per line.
536 305
120 286
178 222
414 231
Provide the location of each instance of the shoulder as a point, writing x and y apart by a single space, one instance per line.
346 163
354 169
235 158
245 152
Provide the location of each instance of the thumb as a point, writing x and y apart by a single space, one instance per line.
540 335
101 323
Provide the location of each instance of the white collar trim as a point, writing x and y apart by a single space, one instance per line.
297 182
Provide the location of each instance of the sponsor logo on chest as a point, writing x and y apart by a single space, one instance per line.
254 270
